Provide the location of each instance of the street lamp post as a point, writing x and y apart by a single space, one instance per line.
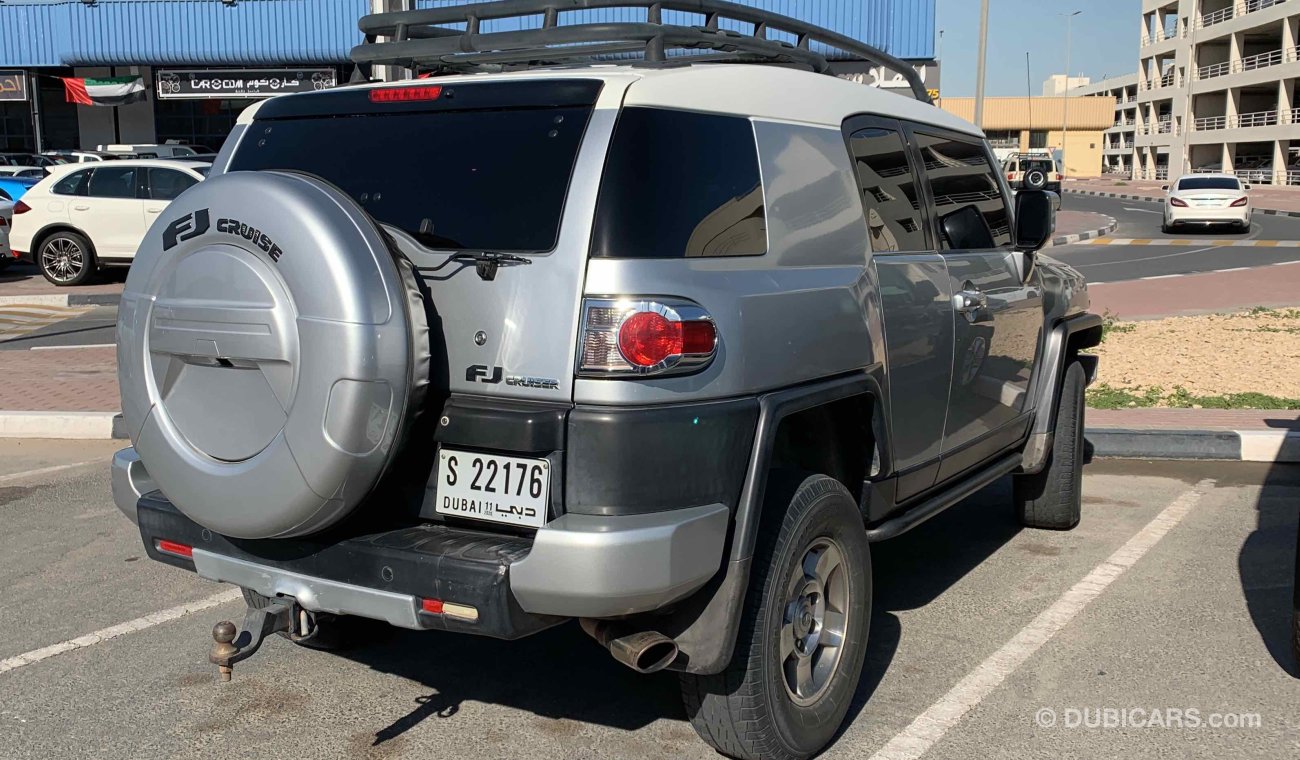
1065 106
979 64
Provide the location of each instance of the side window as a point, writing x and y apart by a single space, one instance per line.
887 183
166 184
680 185
73 184
969 206
113 182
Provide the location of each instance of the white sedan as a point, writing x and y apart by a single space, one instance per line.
86 216
1205 199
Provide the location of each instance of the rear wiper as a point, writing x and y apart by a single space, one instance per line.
487 262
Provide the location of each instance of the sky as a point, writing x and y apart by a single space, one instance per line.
1104 37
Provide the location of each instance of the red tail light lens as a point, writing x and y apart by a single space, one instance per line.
631 336
1059 177
1240 202
1179 202
21 208
405 94
173 548
1011 177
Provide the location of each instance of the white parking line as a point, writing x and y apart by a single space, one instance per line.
69 348
121 629
929 727
48 470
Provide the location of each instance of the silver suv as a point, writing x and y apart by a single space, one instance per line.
662 347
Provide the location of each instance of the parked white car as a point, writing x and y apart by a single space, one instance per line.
1206 199
23 171
84 217
6 218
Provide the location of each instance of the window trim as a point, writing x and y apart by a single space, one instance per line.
859 122
1008 200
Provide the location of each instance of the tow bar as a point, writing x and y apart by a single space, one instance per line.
281 615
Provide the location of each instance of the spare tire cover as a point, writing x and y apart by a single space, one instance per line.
1035 179
269 354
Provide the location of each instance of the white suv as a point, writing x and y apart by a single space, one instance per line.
82 217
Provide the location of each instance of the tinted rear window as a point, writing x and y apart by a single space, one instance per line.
458 180
1042 166
1209 183
679 185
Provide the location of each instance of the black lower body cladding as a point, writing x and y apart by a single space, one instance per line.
647 459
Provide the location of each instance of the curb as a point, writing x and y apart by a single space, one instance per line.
1149 199
58 299
71 425
1273 446
1111 226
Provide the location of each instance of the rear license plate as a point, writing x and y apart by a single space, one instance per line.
1209 204
510 490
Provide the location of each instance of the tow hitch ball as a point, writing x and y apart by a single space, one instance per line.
281 615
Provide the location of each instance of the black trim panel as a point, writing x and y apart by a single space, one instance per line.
509 426
648 459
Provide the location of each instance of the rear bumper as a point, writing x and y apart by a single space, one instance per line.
1198 215
575 566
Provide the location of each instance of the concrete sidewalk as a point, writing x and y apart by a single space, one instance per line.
22 283
1274 286
1267 199
1077 226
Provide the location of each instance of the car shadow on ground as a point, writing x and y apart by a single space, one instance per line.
1267 565
561 673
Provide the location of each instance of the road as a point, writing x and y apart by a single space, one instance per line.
1138 220
1190 615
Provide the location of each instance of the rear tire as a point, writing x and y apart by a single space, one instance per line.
1052 498
336 632
66 259
786 691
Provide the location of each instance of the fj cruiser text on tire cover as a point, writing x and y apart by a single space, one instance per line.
269 355
702 333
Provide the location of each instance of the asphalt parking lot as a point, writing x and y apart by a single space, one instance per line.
1174 594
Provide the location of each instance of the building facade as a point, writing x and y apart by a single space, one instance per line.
1219 89
1019 125
203 61
1119 141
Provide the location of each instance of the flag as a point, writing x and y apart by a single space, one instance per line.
110 91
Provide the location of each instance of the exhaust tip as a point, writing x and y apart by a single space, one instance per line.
642 651
645 651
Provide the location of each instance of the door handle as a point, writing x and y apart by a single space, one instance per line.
154 210
969 301
81 208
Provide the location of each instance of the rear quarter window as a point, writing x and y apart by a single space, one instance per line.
680 185
73 184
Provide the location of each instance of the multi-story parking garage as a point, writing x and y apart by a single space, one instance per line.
1120 139
1219 89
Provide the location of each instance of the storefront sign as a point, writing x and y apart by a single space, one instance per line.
879 76
13 85
241 83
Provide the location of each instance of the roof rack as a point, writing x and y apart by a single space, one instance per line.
421 40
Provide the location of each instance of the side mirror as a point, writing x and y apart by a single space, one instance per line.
1164 187
1247 187
1035 219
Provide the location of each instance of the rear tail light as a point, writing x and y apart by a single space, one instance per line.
1011 177
1059 177
173 548
21 208
1240 202
405 94
1179 202
629 336
449 609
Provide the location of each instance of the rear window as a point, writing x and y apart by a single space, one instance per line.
1043 166
458 180
1209 183
680 185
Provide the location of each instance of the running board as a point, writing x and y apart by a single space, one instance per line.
927 508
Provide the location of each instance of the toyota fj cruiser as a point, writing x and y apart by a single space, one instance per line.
1033 171
662 346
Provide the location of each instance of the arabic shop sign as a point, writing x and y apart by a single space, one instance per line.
888 79
241 83
13 85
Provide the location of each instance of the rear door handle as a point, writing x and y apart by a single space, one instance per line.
969 301
81 208
155 210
